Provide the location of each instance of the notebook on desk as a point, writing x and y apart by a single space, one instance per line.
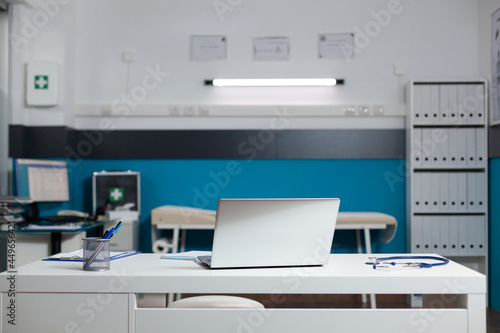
273 232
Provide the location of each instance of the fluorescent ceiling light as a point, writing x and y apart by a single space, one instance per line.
323 82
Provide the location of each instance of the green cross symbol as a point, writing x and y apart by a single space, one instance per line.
41 82
116 194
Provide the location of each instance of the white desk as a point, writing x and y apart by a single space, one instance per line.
60 297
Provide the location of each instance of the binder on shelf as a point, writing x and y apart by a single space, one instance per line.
481 239
471 192
480 95
444 192
416 235
452 104
471 147
462 147
426 104
443 104
453 191
435 233
417 147
427 147
472 232
434 191
426 192
427 230
444 148
453 226
434 112
453 147
462 111
462 192
481 156
481 188
443 235
417 192
417 104
474 103
462 235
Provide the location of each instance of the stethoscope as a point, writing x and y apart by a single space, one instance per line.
389 261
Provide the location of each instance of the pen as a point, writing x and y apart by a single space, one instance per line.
107 235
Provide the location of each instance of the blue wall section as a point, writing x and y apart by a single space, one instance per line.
362 185
494 272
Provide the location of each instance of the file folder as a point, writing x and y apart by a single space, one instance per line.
425 91
452 104
481 155
471 146
417 147
481 188
444 149
472 232
417 104
444 192
417 192
416 234
475 103
453 147
434 110
427 147
434 191
481 239
462 147
462 235
462 109
426 233
444 233
426 192
443 104
453 227
435 236
453 191
471 192
462 192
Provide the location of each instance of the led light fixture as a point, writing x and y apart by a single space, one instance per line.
323 82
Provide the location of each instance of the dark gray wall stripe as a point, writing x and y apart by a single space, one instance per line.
205 144
494 141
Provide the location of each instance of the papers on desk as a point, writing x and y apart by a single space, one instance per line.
78 255
50 227
190 255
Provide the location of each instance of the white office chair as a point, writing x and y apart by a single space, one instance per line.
216 301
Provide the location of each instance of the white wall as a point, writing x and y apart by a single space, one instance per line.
427 39
486 9
4 118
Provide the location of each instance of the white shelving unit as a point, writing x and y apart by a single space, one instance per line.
447 187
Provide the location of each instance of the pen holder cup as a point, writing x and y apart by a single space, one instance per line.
95 254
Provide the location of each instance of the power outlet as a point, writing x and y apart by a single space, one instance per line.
175 111
189 110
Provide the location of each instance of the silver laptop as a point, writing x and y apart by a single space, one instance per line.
273 232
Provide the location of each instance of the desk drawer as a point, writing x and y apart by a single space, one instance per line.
300 320
72 312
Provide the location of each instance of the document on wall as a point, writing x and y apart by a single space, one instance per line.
205 48
271 49
338 46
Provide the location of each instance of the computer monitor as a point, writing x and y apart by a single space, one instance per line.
42 181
